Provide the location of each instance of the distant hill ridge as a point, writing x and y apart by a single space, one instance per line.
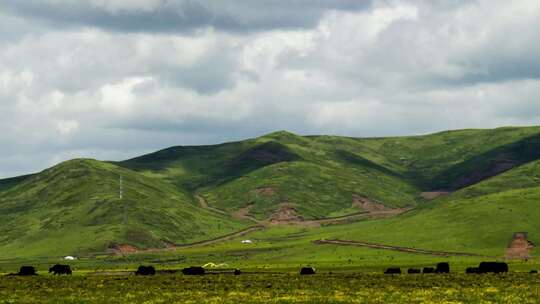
74 207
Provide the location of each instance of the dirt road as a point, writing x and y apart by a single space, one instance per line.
394 248
221 238
126 249
204 204
260 225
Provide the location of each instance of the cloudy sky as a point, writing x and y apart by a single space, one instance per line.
112 79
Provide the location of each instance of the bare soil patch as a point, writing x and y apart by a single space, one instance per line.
367 204
431 195
374 208
519 247
244 213
265 191
120 249
286 214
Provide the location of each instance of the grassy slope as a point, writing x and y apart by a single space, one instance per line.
47 214
480 218
319 174
317 177
74 207
445 160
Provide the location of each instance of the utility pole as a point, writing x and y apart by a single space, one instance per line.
121 188
121 197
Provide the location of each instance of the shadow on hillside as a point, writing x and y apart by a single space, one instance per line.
217 164
353 159
488 164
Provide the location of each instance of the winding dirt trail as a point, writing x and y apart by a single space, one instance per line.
204 204
261 225
124 249
360 215
219 239
242 214
371 208
368 214
394 248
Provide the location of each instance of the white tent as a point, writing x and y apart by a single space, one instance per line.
69 258
247 241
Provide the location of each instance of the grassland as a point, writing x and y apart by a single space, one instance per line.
274 288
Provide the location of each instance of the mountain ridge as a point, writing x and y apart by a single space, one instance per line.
280 177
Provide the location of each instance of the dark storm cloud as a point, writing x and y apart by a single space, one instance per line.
181 15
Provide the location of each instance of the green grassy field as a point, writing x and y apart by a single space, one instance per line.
274 288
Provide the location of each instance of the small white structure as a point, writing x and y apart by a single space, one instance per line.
209 265
247 241
69 258
213 265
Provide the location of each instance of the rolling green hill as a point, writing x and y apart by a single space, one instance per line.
74 207
314 176
478 219
319 174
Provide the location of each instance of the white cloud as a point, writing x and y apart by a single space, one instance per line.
114 90
67 127
119 98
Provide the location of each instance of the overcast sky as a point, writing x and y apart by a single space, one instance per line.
112 79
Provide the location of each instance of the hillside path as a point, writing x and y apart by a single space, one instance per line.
242 214
344 218
220 239
204 204
261 225
394 248
361 214
121 250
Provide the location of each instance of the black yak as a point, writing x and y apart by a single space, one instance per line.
27 271
395 270
307 270
428 270
60 269
237 272
442 268
145 270
493 267
413 270
193 270
533 271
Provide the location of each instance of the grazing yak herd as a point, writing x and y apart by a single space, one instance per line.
441 268
483 268
31 270
193 270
